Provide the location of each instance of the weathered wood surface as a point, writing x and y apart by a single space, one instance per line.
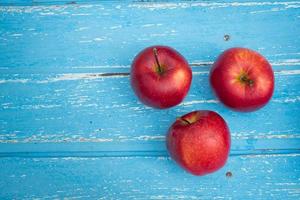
64 91
252 177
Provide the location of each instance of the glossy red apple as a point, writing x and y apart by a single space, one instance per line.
242 79
199 142
160 76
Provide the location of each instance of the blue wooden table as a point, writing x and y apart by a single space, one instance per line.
71 127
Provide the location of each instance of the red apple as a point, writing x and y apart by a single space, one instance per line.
242 79
160 76
199 142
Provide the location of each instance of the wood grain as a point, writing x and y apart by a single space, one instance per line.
76 108
74 86
71 127
110 33
252 177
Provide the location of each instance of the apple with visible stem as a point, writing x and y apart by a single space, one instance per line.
242 79
199 142
160 77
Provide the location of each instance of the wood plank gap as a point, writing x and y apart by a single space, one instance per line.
135 153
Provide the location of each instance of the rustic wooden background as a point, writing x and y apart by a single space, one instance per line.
71 127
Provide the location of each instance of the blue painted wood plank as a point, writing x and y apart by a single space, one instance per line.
252 177
64 91
111 33
77 108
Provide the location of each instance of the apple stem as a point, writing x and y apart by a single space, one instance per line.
156 59
185 120
246 80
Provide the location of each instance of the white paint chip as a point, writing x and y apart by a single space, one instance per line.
13 81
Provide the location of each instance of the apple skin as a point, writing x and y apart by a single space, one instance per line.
165 88
242 79
199 142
